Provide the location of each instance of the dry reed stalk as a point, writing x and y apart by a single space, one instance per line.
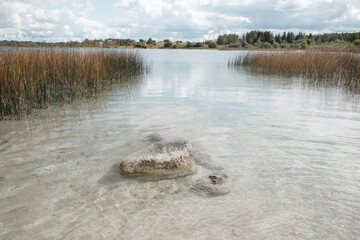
33 78
340 69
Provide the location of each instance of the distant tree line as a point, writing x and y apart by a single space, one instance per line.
252 39
110 42
266 39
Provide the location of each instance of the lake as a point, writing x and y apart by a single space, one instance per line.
291 152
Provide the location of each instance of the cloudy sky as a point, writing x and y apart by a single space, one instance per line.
62 20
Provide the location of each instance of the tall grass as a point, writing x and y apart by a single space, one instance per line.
321 68
33 78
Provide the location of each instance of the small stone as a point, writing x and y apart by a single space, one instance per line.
214 184
216 179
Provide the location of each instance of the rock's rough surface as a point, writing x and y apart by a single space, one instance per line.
214 184
167 157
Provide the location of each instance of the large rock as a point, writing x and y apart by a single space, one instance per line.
168 157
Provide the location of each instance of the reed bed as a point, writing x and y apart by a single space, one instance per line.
340 69
34 78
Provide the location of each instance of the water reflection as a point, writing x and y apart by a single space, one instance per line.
291 154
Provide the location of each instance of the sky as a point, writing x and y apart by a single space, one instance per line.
189 20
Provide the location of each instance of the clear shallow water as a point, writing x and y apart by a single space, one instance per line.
292 154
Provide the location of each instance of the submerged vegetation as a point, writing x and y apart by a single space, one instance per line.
321 68
33 78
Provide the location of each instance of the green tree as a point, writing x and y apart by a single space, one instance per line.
221 40
168 44
258 42
199 44
235 45
212 44
141 45
189 45
266 45
245 44
304 44
278 38
317 39
252 37
232 38
284 45
290 37
151 42
86 42
276 45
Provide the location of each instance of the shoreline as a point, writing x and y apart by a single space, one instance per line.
319 48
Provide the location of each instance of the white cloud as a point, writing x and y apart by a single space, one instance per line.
350 16
185 19
152 8
35 20
176 19
297 5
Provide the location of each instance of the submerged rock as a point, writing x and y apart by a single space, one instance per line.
205 160
168 157
214 184
154 137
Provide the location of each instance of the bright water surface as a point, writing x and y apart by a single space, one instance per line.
292 154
